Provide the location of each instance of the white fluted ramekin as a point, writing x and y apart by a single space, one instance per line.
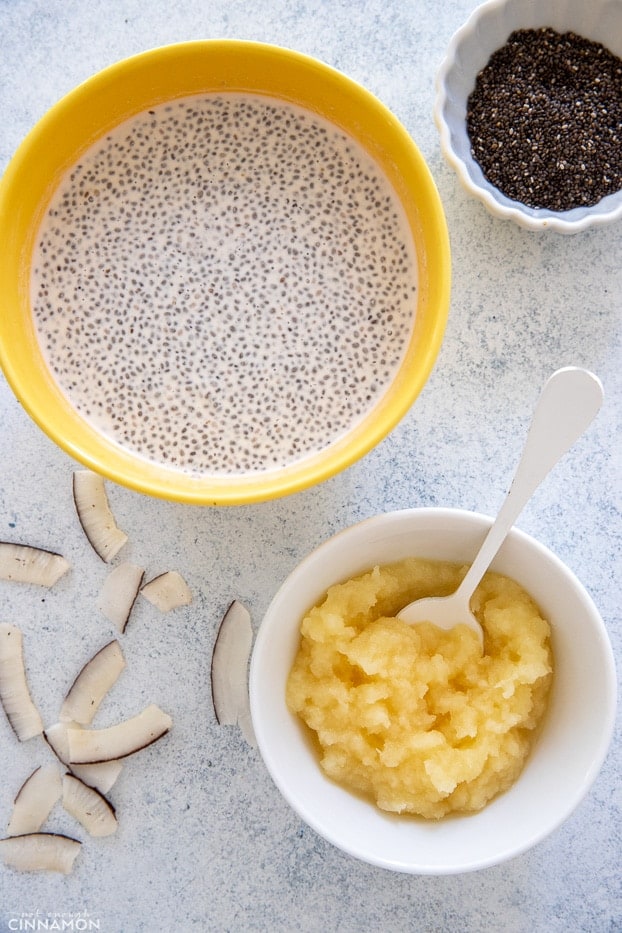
487 30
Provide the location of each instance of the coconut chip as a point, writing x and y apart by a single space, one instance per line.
15 697
96 518
167 591
22 563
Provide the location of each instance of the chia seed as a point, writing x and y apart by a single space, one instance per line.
545 120
224 284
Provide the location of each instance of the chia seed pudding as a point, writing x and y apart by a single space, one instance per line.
224 284
545 120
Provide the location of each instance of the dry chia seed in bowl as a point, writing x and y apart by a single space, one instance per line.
545 120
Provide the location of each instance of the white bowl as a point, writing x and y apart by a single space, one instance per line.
569 751
487 30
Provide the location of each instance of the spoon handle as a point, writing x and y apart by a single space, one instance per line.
568 403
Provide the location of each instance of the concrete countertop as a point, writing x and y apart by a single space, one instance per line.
205 841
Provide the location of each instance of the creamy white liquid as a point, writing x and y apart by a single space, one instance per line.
224 284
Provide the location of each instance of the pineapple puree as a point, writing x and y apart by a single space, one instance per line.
414 717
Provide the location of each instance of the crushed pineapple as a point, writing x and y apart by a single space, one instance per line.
414 717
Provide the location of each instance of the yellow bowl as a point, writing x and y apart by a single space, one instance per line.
134 85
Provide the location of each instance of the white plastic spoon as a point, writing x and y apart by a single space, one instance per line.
568 403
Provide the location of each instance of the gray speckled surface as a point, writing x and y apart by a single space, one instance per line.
205 841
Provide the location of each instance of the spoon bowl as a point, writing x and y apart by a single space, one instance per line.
569 401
